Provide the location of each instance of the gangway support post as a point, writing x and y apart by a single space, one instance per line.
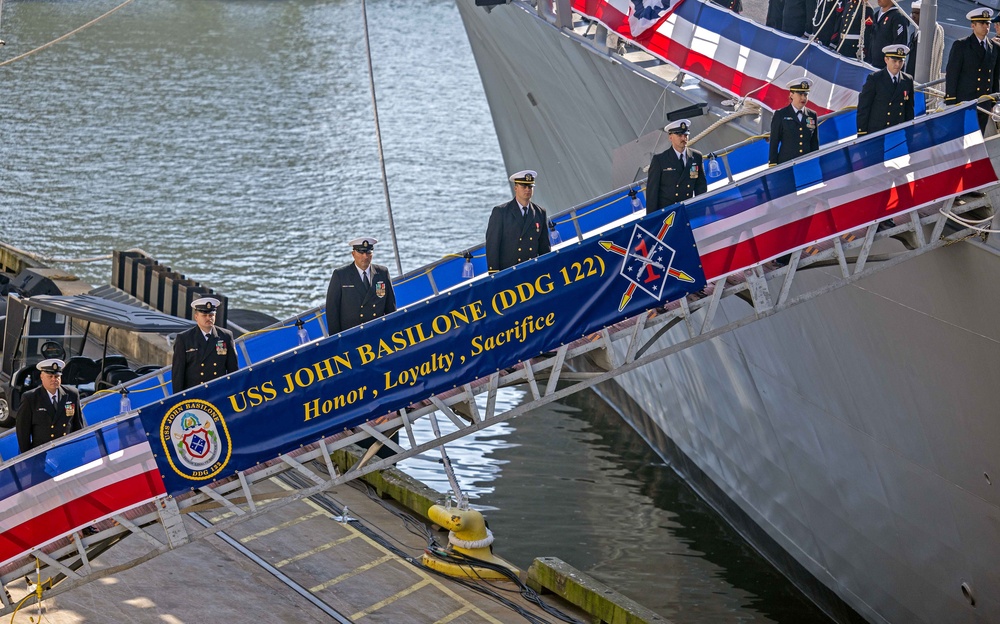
173 523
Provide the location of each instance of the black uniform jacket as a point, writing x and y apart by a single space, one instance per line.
882 103
348 304
197 360
826 34
972 71
38 421
512 238
791 138
796 17
850 15
892 27
670 182
911 59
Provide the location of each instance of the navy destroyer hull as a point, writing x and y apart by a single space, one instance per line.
852 439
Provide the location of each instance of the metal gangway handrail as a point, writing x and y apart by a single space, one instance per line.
651 335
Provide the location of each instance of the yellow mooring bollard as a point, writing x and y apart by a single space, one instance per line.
468 536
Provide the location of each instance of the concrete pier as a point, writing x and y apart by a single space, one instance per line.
366 569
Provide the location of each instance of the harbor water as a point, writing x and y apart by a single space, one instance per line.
234 141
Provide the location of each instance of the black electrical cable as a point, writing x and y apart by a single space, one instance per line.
526 592
330 504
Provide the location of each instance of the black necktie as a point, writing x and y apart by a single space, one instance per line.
364 278
684 162
55 400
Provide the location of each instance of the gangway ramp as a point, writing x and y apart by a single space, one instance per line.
521 326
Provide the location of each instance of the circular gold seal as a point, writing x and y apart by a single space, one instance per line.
196 440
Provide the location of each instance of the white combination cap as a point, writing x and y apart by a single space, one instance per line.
51 365
979 15
524 177
896 50
363 244
681 126
799 85
206 304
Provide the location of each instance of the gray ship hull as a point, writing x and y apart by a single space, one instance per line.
853 439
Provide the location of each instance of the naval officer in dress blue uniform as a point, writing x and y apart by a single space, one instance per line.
973 64
887 97
794 128
359 291
677 173
518 230
203 352
49 411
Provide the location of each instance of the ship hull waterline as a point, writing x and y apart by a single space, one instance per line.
851 439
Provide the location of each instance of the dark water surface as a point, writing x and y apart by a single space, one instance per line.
233 140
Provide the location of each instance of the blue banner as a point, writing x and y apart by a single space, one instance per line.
230 424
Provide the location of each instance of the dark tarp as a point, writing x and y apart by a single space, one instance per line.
110 313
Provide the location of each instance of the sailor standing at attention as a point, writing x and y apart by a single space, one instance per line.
203 352
48 411
890 27
973 64
850 15
675 174
887 97
794 128
518 230
359 291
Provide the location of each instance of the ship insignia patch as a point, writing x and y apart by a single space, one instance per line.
647 262
196 440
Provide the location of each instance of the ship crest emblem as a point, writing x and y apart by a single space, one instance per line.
645 14
195 439
647 262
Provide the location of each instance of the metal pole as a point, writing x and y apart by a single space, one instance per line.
928 27
378 138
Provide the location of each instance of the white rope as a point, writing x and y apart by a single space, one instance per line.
864 23
905 14
745 108
817 27
789 65
972 224
461 543
937 52
850 23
